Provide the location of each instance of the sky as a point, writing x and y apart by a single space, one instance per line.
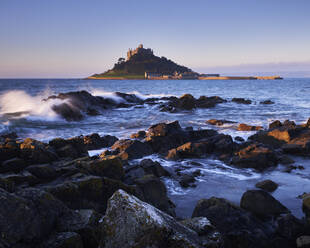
77 38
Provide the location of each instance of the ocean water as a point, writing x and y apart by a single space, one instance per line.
291 97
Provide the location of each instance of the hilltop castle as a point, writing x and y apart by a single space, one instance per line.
139 50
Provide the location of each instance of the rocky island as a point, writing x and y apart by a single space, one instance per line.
141 63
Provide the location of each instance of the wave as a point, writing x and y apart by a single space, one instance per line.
19 104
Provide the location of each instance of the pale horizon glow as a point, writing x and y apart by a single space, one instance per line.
76 38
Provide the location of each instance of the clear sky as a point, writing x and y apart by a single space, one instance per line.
76 38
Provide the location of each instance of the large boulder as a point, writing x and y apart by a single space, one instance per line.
267 185
255 156
262 204
130 222
238 227
187 102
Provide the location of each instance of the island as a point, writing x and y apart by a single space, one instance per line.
141 63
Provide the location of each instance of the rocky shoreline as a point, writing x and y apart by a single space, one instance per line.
55 195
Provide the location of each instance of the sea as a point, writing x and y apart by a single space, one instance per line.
291 98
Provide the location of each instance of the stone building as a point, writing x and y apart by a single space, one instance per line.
139 50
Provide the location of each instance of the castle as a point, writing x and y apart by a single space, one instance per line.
139 50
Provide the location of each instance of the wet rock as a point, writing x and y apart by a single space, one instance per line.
240 139
68 112
241 101
266 102
290 227
238 227
164 129
306 205
275 124
303 242
138 135
245 127
12 165
36 152
153 168
267 185
107 167
187 102
187 180
255 156
86 192
216 122
153 191
11 181
132 149
209 102
43 171
130 222
285 160
262 204
9 150
63 240
200 225
289 124
290 168
94 141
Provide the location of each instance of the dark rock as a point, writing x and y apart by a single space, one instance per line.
245 127
132 149
303 242
164 129
111 168
130 222
153 191
266 102
241 101
68 112
208 102
240 139
289 124
28 217
306 205
94 141
12 165
216 122
262 204
275 124
255 156
267 185
43 171
63 240
238 227
285 160
154 168
187 102
138 135
289 227
200 225
187 180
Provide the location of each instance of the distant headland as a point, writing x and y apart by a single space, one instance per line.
141 63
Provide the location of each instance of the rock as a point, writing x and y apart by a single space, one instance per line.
63 240
86 192
68 112
290 227
94 141
187 102
106 167
130 222
208 102
306 205
245 127
241 101
12 165
36 152
303 241
132 149
153 191
240 139
85 222
266 102
267 185
138 135
200 225
28 217
289 124
153 168
238 227
9 150
275 124
164 129
255 156
187 180
285 160
216 122
43 171
261 204
72 148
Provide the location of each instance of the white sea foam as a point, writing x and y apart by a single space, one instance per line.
146 96
107 94
18 101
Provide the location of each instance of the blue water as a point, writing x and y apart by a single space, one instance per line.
291 97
